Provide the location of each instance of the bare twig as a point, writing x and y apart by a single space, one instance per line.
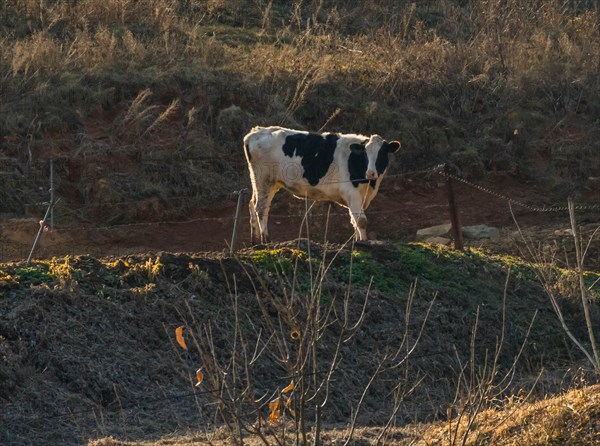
545 282
584 302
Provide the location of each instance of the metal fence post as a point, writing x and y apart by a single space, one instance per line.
41 230
51 194
49 214
452 208
234 235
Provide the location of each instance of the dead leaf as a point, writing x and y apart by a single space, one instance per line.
199 376
179 336
289 387
275 411
288 406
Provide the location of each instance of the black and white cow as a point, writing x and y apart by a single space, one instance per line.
345 168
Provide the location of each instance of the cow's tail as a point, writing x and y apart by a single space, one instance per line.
249 158
247 152
247 141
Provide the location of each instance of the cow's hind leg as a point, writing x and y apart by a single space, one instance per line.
254 227
262 206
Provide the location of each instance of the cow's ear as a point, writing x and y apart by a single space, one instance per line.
357 148
393 147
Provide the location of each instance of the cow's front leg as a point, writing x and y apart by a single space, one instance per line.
359 221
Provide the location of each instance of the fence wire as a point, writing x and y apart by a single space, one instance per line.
435 170
583 207
229 196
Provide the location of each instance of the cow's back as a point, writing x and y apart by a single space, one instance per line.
265 144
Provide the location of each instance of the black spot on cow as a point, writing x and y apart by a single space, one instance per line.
357 165
316 151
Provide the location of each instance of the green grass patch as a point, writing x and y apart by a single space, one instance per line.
361 269
32 275
463 274
277 261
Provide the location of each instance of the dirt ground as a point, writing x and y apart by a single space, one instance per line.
402 207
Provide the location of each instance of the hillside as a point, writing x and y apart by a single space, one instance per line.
90 350
142 105
133 326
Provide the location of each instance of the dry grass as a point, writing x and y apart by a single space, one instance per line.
448 78
569 419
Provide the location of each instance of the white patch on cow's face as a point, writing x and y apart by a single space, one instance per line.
372 147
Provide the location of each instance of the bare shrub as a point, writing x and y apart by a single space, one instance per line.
546 270
302 341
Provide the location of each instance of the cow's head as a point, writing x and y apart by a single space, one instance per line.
377 155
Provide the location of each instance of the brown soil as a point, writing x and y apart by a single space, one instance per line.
402 207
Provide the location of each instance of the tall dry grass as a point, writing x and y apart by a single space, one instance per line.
393 54
428 45
453 80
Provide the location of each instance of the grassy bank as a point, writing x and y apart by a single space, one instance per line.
90 349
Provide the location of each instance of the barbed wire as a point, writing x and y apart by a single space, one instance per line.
329 214
231 194
190 198
206 219
295 215
145 223
438 169
510 200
